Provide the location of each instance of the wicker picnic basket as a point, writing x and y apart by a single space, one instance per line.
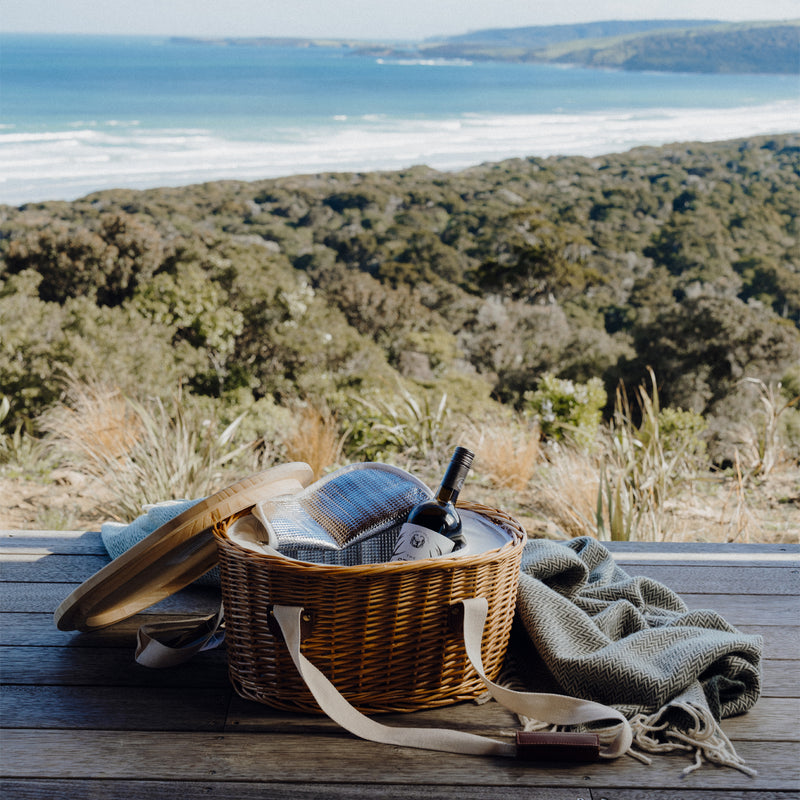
384 634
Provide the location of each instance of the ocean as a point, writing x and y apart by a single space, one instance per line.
84 113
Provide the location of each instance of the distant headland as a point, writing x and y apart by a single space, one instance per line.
708 46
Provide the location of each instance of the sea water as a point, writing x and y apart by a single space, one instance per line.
83 113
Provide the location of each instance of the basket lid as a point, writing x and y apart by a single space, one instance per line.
172 556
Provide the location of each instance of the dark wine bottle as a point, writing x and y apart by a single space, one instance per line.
433 527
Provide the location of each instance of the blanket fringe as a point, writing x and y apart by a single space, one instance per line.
705 738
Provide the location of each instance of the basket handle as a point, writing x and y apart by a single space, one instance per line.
552 708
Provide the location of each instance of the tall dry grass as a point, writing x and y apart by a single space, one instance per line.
96 423
507 455
565 493
141 452
736 519
315 440
632 484
761 439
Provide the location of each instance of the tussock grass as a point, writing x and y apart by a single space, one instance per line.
507 455
316 440
142 452
638 480
761 439
642 473
565 493
95 423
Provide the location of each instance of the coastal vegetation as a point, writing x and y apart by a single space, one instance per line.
625 328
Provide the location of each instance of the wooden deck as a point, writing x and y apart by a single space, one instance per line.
80 719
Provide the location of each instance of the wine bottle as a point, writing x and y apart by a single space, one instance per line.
433 527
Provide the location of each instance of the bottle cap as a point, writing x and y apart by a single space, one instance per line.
458 468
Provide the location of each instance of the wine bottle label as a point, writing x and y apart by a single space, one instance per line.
414 542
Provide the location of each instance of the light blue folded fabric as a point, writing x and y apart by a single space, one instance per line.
119 537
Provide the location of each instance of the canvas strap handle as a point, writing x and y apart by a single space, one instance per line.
168 644
552 708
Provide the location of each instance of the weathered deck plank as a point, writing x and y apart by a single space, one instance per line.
226 790
132 755
82 720
81 666
44 598
783 578
174 708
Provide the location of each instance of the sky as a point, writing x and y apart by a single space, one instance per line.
364 19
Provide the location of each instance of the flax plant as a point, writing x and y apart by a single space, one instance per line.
764 441
641 475
20 452
411 427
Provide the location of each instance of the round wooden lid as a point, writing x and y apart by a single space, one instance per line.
172 556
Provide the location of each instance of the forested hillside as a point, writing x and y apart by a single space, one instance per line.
661 45
542 36
731 48
339 288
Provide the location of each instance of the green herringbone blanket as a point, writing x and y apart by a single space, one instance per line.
588 629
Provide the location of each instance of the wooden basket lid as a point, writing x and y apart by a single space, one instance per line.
172 556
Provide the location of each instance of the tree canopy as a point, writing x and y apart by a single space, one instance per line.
683 258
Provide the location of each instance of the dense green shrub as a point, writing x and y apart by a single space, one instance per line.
683 258
566 410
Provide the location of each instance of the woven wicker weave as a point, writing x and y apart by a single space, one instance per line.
382 633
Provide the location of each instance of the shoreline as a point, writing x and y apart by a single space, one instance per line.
67 164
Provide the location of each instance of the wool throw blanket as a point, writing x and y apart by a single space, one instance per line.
588 629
